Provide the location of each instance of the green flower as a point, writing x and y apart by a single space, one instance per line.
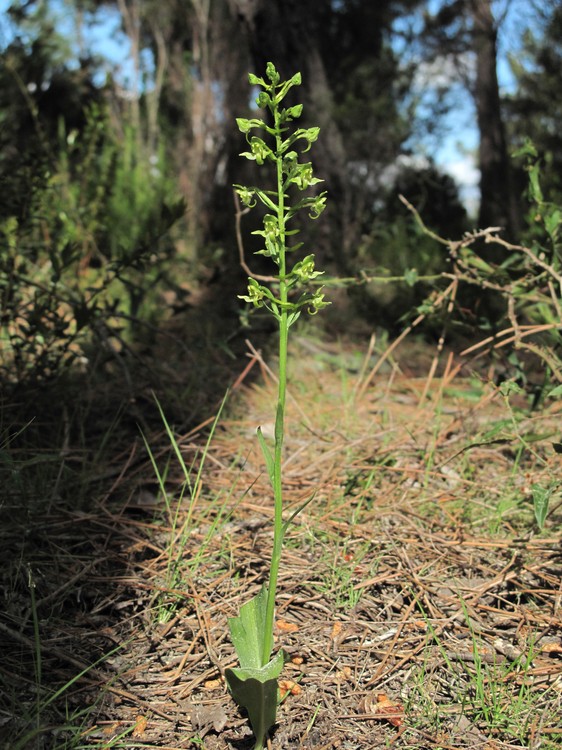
317 206
291 113
290 163
271 234
263 100
256 294
304 270
272 73
245 125
317 302
246 195
260 151
303 177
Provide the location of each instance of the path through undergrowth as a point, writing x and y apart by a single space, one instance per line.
419 602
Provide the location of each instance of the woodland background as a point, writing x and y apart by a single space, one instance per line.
116 174
424 409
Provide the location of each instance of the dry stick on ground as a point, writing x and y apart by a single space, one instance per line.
362 387
520 332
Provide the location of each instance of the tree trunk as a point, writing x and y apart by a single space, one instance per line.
285 32
497 204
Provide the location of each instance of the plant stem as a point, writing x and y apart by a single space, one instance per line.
280 413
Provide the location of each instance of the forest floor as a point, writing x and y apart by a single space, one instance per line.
419 602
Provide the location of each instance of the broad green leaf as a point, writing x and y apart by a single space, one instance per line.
541 499
248 631
556 391
256 690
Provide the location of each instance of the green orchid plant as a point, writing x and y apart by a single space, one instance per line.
274 143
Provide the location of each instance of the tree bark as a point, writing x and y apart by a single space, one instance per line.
497 204
285 32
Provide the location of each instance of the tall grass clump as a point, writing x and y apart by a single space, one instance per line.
285 296
180 531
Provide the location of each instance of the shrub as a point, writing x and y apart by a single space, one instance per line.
82 259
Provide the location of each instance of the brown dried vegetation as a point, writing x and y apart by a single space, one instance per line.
419 603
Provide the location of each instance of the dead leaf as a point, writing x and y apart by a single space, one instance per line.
381 707
552 648
212 684
141 723
288 687
336 630
297 659
344 674
112 729
202 717
286 627
422 624
463 727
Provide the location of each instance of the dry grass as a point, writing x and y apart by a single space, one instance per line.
419 604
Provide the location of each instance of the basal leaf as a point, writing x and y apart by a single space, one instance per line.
256 691
248 631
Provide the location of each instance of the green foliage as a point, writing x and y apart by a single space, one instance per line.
400 263
535 109
255 688
541 501
86 251
189 493
545 216
537 291
370 82
525 281
254 685
38 89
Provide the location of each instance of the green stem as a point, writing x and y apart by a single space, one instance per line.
280 413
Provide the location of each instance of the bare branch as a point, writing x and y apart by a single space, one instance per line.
240 212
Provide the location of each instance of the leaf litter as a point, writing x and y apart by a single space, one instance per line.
418 602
